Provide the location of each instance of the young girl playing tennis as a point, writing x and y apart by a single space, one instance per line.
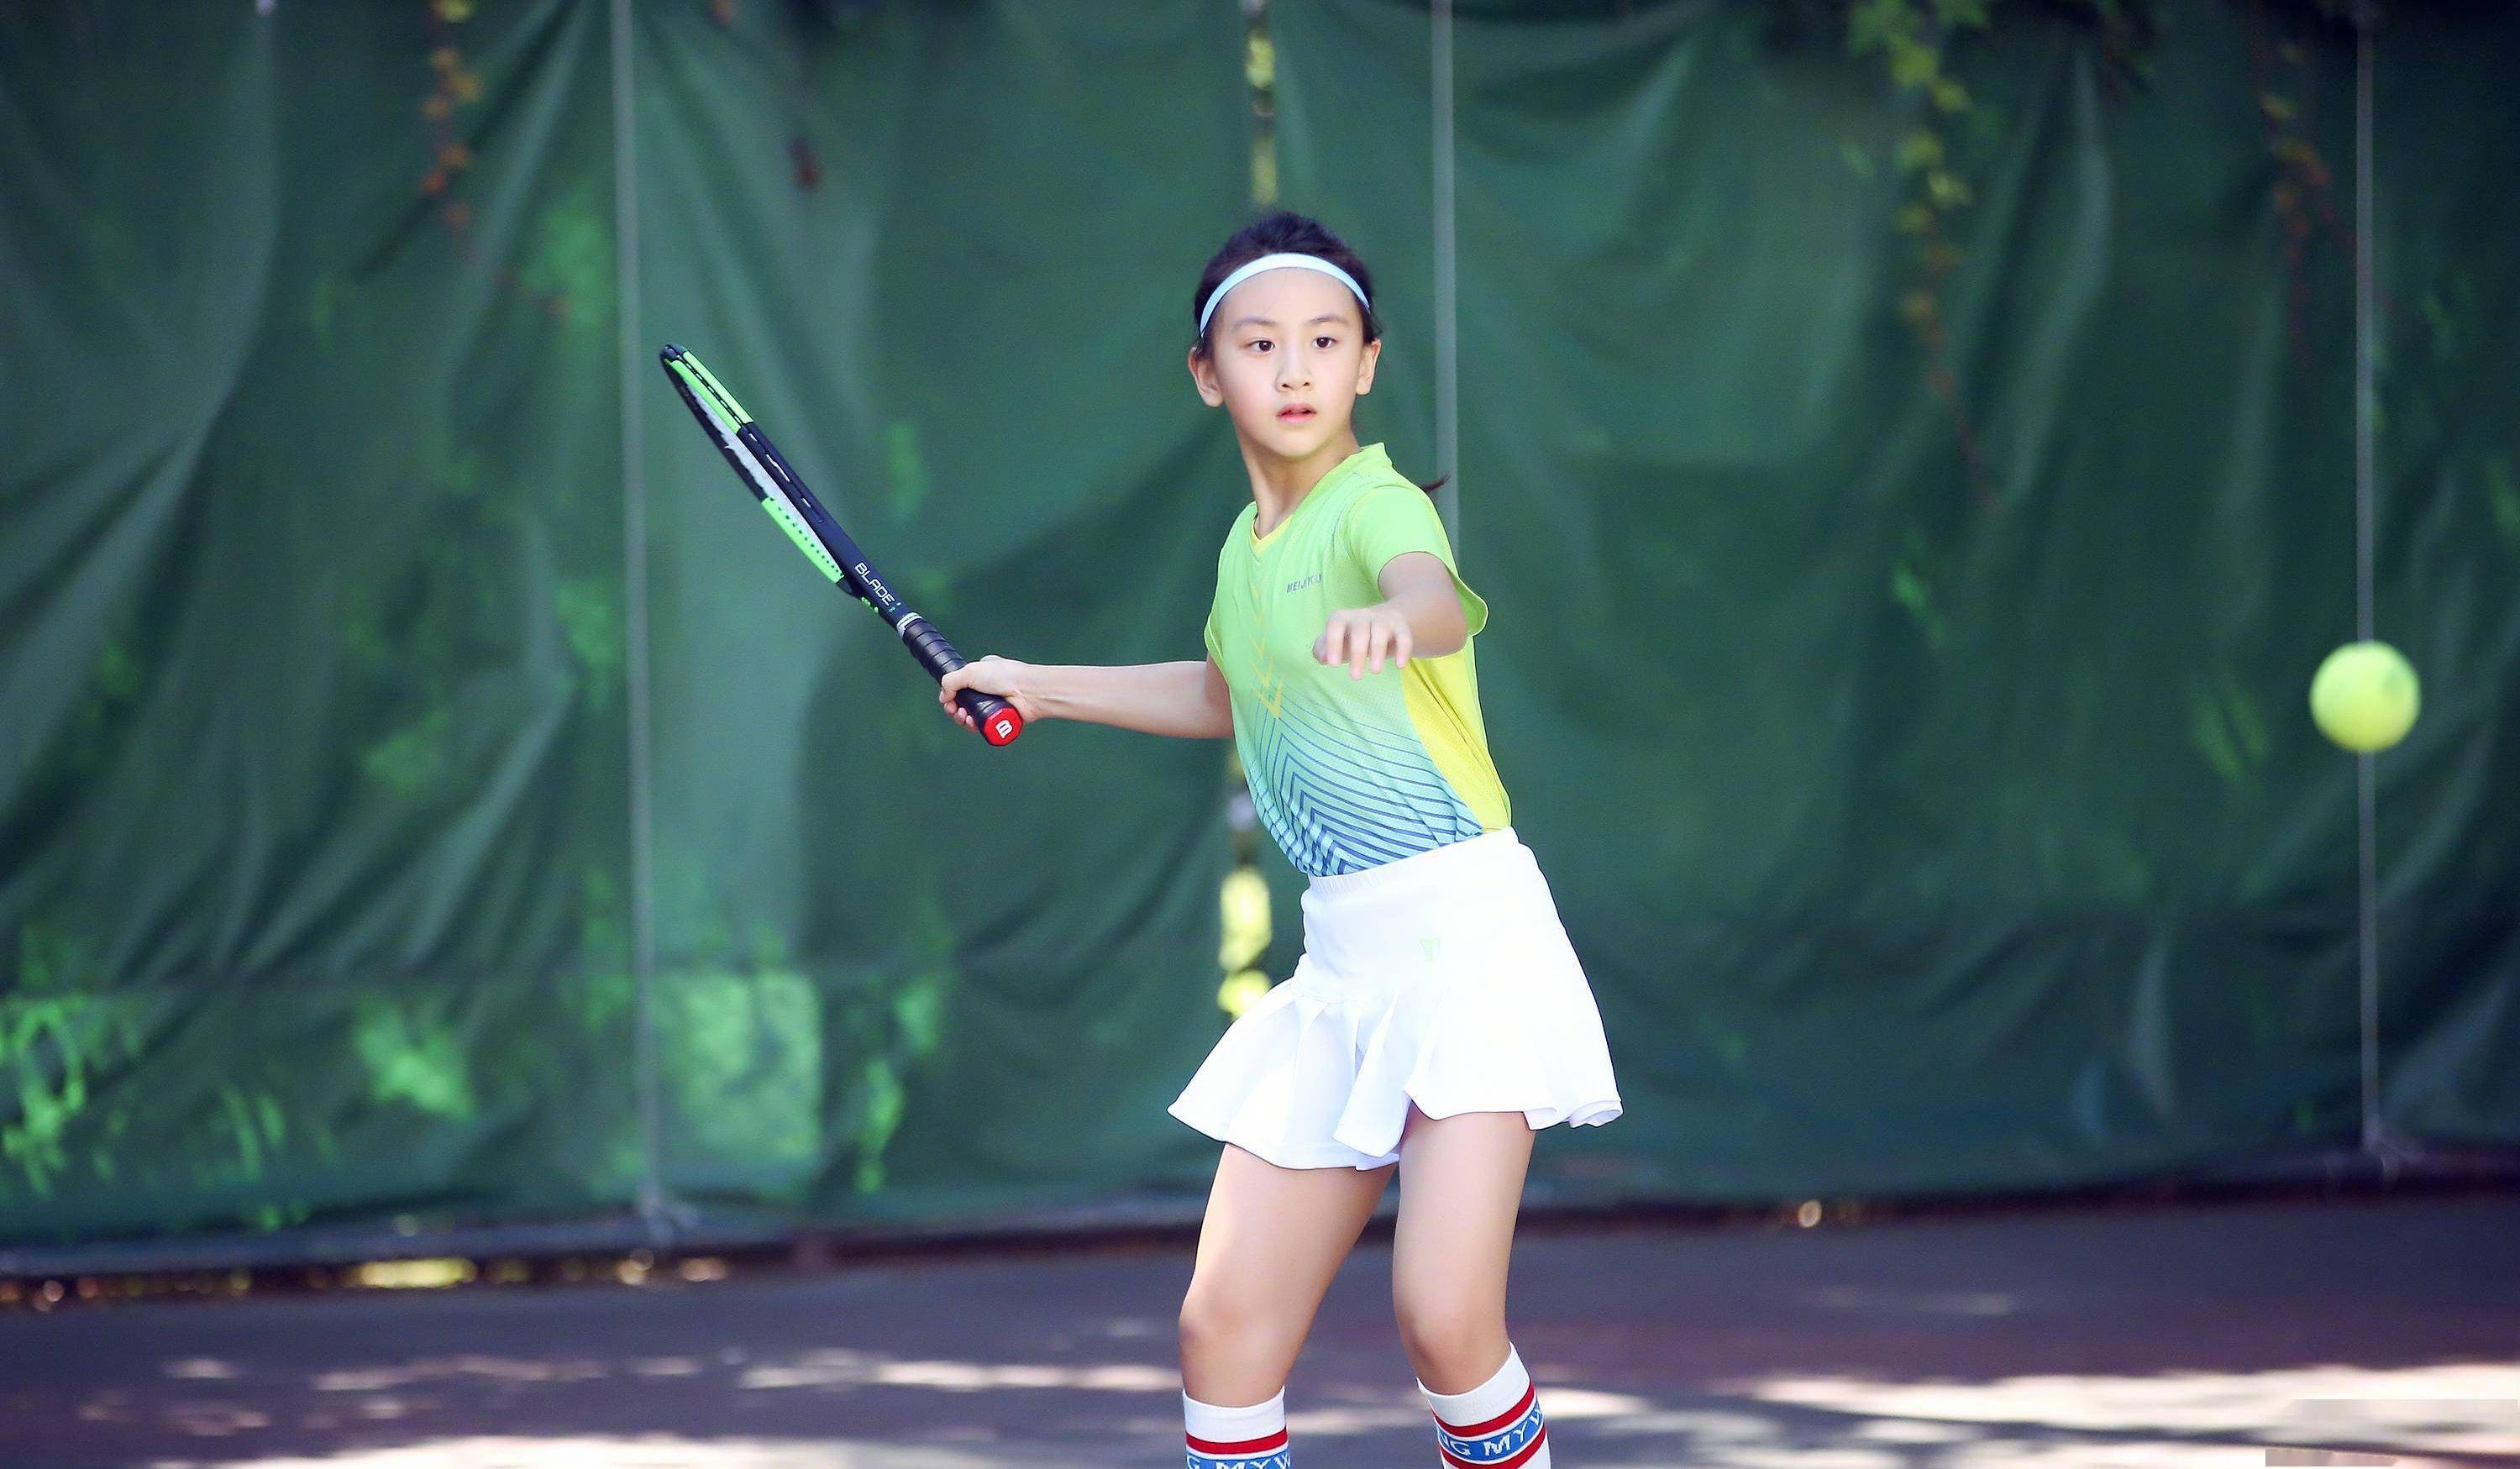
1437 1016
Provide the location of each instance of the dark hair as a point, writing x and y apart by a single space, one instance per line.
1290 233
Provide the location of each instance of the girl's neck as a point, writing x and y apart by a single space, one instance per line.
1279 484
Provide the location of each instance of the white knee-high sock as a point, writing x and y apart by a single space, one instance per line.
1495 1425
1237 1438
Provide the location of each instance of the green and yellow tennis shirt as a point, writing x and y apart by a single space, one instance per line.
1348 773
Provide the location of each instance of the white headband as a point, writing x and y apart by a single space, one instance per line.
1274 262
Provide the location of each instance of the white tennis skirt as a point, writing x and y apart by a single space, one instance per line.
1443 979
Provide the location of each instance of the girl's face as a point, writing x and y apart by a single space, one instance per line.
1287 359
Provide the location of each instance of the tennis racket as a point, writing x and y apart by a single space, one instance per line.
785 496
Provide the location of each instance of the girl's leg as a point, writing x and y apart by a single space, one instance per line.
1461 1186
1272 1239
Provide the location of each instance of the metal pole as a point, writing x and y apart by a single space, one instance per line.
1448 389
653 1208
2377 1137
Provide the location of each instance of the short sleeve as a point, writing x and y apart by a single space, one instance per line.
1391 518
1209 633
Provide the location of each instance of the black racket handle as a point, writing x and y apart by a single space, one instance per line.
999 720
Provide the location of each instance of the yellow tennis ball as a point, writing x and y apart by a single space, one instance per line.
2365 697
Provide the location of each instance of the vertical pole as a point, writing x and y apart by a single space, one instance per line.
634 596
1448 387
1258 94
2366 404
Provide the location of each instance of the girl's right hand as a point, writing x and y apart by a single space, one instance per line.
1006 678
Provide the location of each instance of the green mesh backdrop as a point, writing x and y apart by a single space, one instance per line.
1898 667
1930 790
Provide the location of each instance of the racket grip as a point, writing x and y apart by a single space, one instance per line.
1000 722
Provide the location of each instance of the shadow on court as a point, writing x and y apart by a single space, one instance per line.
2183 1335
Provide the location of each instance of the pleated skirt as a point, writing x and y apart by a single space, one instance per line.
1443 979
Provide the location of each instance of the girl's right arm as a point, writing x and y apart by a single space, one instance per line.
1185 699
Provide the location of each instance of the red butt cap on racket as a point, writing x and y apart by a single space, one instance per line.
999 720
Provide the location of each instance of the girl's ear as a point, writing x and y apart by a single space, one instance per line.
1203 373
1365 368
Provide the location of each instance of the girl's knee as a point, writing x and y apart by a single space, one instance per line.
1454 1345
1234 1348
1223 1320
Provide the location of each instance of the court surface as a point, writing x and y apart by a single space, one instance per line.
2177 1334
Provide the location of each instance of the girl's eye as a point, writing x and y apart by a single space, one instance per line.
1323 341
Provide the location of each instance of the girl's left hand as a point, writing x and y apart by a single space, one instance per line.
1359 636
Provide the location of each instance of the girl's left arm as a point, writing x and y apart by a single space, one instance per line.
1419 613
